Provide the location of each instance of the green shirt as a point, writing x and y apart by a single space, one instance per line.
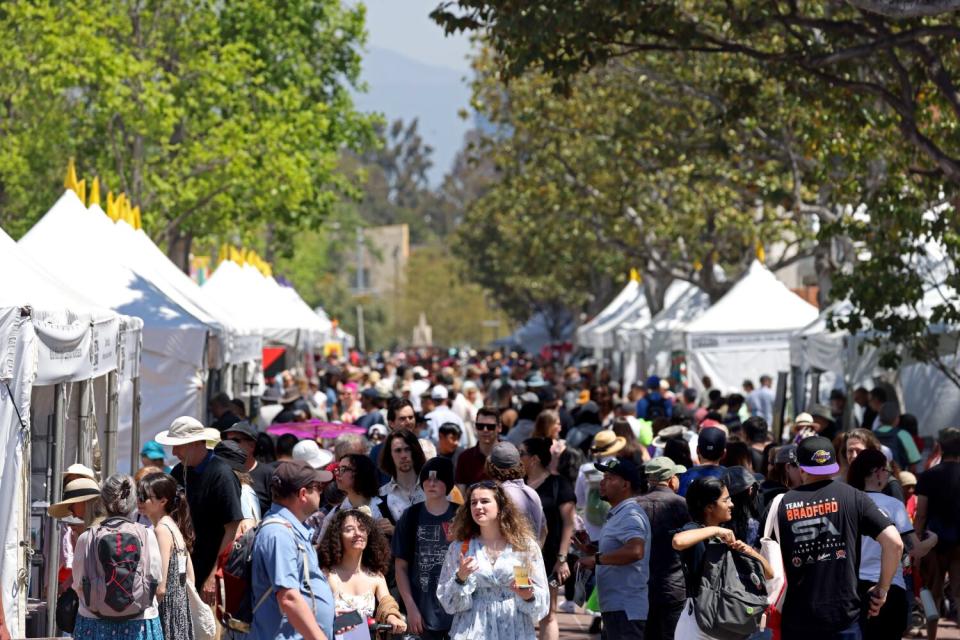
906 441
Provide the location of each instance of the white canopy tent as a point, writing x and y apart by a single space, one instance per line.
647 344
846 361
77 249
747 332
244 291
241 341
586 333
603 335
49 335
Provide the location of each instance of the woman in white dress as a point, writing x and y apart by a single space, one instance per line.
355 556
493 580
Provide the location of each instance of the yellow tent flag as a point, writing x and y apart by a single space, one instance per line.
634 275
136 217
697 265
81 190
95 191
761 254
111 206
70 181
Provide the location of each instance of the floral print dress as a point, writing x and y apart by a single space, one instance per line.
486 607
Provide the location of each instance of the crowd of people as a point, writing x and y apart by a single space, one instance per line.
476 498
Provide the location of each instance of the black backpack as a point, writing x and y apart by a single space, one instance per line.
732 596
891 440
656 409
234 580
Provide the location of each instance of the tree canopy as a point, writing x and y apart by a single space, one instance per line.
866 94
214 118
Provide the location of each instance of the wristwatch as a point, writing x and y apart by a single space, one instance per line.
562 557
596 559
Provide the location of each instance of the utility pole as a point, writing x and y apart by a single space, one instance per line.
361 288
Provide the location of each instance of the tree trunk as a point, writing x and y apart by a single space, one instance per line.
178 249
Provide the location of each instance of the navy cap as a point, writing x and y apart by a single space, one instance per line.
622 467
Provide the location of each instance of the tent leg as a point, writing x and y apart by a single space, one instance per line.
55 489
84 446
135 428
110 433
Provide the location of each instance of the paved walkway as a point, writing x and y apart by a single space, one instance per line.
574 627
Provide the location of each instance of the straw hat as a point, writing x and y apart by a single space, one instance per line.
184 430
607 443
77 490
80 470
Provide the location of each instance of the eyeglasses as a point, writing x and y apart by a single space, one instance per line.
342 470
486 426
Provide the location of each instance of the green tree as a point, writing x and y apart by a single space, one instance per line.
455 308
215 119
882 85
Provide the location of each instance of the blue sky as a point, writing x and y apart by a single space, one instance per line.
412 70
405 26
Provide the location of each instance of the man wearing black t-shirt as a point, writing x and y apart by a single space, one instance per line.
820 524
213 494
245 435
938 509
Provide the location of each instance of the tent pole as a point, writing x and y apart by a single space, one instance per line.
135 427
84 446
55 491
110 433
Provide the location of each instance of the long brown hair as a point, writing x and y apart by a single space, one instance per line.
513 526
546 419
162 485
376 555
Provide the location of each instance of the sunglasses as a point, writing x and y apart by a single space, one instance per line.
483 484
481 426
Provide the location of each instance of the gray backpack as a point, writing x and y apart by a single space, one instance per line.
732 596
116 570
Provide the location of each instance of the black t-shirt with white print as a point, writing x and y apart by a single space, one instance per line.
820 529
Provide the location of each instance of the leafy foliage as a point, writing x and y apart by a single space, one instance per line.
870 104
214 118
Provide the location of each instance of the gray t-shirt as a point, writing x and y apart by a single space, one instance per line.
425 559
624 588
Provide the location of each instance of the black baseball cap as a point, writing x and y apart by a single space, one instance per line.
244 428
622 467
816 456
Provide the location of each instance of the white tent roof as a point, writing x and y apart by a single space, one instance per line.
80 253
757 303
268 305
240 341
636 310
626 295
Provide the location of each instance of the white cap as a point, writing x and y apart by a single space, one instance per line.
311 453
439 392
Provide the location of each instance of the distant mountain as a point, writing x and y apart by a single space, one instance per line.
400 87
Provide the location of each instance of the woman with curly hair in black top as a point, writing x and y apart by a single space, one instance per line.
355 555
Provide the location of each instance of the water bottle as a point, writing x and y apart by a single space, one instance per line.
930 609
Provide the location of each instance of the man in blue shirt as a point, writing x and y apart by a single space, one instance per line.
294 599
622 564
654 405
711 444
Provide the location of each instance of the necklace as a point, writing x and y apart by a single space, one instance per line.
493 551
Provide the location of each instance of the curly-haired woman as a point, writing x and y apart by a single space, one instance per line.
355 555
478 583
